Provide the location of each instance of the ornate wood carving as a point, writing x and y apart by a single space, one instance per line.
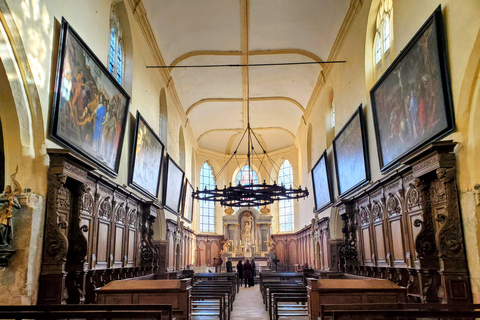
78 243
56 243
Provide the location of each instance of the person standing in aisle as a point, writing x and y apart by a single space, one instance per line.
254 272
240 271
247 273
228 264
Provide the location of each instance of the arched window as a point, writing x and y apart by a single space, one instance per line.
245 176
207 208
383 36
115 52
285 207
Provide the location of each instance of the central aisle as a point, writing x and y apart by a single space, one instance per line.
248 305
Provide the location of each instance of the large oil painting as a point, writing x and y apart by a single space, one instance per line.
351 154
146 162
90 107
322 183
188 202
172 186
412 102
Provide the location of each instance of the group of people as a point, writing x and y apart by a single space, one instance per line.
245 271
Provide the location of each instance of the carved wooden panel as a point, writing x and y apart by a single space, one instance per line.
118 247
398 254
131 248
367 251
103 236
380 245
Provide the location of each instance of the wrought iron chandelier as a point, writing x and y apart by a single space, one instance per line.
251 194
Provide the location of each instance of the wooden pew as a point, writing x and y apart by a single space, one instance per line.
351 291
269 285
290 310
404 314
326 310
298 291
221 276
206 305
173 292
87 311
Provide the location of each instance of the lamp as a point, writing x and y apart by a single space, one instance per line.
250 195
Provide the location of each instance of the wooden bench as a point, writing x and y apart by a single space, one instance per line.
268 286
221 276
351 291
279 276
173 292
404 314
87 311
297 291
326 311
299 309
207 305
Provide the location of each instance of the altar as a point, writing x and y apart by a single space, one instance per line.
247 232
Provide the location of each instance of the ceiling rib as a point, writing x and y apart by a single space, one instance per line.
207 100
241 130
245 15
192 54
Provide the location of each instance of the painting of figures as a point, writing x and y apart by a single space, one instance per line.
90 107
412 102
188 202
147 156
351 154
322 184
172 186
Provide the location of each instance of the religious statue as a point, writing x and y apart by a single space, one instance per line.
9 200
247 230
271 245
226 246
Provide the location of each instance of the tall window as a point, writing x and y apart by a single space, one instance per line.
246 176
285 207
115 52
207 208
383 36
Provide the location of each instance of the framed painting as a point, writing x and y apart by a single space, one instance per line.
188 202
90 108
172 186
412 102
322 184
146 160
351 154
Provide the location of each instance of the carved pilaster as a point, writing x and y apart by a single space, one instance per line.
148 252
425 242
78 249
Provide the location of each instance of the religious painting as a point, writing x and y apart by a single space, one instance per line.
412 102
188 202
351 154
146 161
172 186
322 184
90 108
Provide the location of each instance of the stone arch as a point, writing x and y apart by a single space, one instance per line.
309 146
163 130
335 224
21 112
181 148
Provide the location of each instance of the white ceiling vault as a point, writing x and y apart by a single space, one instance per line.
245 32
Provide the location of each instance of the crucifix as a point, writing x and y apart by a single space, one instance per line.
199 259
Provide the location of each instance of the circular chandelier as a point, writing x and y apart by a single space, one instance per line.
252 194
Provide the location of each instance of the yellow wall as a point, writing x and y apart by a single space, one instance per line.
30 66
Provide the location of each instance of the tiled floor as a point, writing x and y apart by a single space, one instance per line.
248 305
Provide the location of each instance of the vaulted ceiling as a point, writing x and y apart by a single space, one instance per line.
245 32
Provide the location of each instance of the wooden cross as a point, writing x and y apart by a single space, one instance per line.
199 257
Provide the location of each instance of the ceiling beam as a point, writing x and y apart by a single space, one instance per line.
240 130
199 53
207 100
